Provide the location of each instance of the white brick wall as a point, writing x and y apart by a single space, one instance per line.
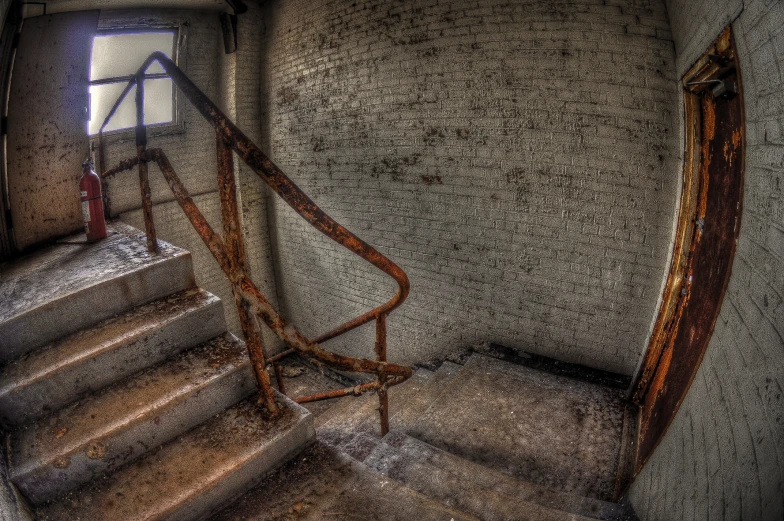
518 160
722 458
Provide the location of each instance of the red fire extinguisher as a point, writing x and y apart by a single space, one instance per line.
92 203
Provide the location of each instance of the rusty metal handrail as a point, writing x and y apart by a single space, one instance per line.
229 250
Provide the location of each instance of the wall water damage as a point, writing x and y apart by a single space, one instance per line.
519 160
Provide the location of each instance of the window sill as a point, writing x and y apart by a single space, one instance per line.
129 134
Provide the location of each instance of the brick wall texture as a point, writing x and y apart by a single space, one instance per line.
723 456
517 159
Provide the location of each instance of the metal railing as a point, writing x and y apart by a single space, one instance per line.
229 249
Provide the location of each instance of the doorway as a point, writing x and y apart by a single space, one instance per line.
706 237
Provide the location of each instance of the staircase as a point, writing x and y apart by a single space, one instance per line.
122 393
125 398
488 440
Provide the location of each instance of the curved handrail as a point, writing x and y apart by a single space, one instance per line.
229 251
279 183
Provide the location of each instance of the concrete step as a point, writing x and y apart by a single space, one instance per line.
361 414
455 491
301 380
554 431
102 432
49 378
427 387
196 474
408 414
64 288
477 489
324 485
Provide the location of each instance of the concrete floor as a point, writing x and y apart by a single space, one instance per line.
516 443
550 430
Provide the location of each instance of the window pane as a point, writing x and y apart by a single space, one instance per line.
118 55
157 105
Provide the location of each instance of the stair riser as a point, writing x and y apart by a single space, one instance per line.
481 477
457 491
128 442
39 396
61 317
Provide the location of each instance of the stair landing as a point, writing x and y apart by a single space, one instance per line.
488 440
554 431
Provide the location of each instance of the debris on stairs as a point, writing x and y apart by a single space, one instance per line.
123 395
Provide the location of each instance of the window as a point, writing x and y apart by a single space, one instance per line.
116 56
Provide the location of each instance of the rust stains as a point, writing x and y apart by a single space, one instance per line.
61 462
708 232
229 250
97 450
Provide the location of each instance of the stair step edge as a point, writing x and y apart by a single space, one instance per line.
353 418
87 361
37 326
491 479
48 458
195 474
429 394
456 491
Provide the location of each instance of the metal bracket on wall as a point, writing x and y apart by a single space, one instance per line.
715 71
229 25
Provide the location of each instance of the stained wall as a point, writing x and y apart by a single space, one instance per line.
519 160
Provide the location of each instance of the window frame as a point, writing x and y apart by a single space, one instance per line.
132 24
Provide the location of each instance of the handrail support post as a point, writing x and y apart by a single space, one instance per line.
144 181
381 356
229 250
235 250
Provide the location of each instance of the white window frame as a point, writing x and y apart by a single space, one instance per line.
128 23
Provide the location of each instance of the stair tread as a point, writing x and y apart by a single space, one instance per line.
119 423
356 417
403 457
62 269
195 474
35 373
324 484
67 287
410 412
440 484
300 380
551 430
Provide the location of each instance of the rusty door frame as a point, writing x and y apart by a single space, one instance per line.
719 61
8 40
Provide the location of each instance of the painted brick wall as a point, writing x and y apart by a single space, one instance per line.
723 456
517 159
